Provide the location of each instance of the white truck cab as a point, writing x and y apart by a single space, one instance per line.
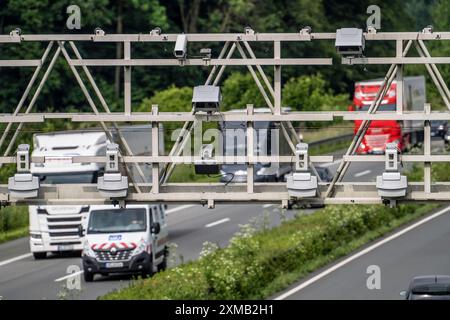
125 240
55 228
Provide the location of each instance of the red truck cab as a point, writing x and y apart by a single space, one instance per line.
382 132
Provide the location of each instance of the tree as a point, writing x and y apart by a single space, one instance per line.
153 14
49 17
172 99
240 89
311 93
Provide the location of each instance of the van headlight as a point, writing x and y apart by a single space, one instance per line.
36 236
87 250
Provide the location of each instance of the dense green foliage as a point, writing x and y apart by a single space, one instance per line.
304 88
255 260
120 16
310 93
13 223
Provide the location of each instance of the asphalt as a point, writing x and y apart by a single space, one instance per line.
25 278
420 251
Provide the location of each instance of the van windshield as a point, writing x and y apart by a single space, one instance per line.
117 220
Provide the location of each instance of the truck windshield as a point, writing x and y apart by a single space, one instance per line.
68 178
117 220
382 107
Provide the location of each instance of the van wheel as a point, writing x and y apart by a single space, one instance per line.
290 205
163 265
88 276
146 274
39 255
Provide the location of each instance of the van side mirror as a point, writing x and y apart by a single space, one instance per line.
80 230
156 228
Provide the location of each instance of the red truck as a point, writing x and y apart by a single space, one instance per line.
381 132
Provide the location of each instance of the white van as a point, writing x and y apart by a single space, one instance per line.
129 240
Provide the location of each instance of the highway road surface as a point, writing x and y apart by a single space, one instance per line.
421 248
21 277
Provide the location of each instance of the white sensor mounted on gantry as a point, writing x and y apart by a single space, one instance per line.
23 184
350 42
301 183
206 99
391 184
112 184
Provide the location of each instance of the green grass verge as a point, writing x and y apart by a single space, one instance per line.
328 148
186 173
13 234
258 264
13 223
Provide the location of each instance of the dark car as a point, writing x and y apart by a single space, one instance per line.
439 128
447 137
324 173
428 288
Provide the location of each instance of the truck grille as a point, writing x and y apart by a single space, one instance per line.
65 226
61 226
64 234
376 141
65 243
71 219
120 255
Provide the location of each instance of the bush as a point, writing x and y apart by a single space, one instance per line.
12 218
13 223
310 93
240 89
255 260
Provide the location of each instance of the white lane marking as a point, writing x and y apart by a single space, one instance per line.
173 210
359 254
330 164
23 256
362 173
212 224
268 205
69 276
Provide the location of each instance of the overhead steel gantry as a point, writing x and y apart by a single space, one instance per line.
159 189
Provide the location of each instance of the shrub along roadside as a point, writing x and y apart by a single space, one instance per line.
13 223
257 264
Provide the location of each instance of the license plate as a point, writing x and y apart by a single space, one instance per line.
114 265
67 247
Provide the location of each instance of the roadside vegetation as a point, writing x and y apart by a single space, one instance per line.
260 262
13 223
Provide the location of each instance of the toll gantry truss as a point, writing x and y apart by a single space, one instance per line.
159 189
